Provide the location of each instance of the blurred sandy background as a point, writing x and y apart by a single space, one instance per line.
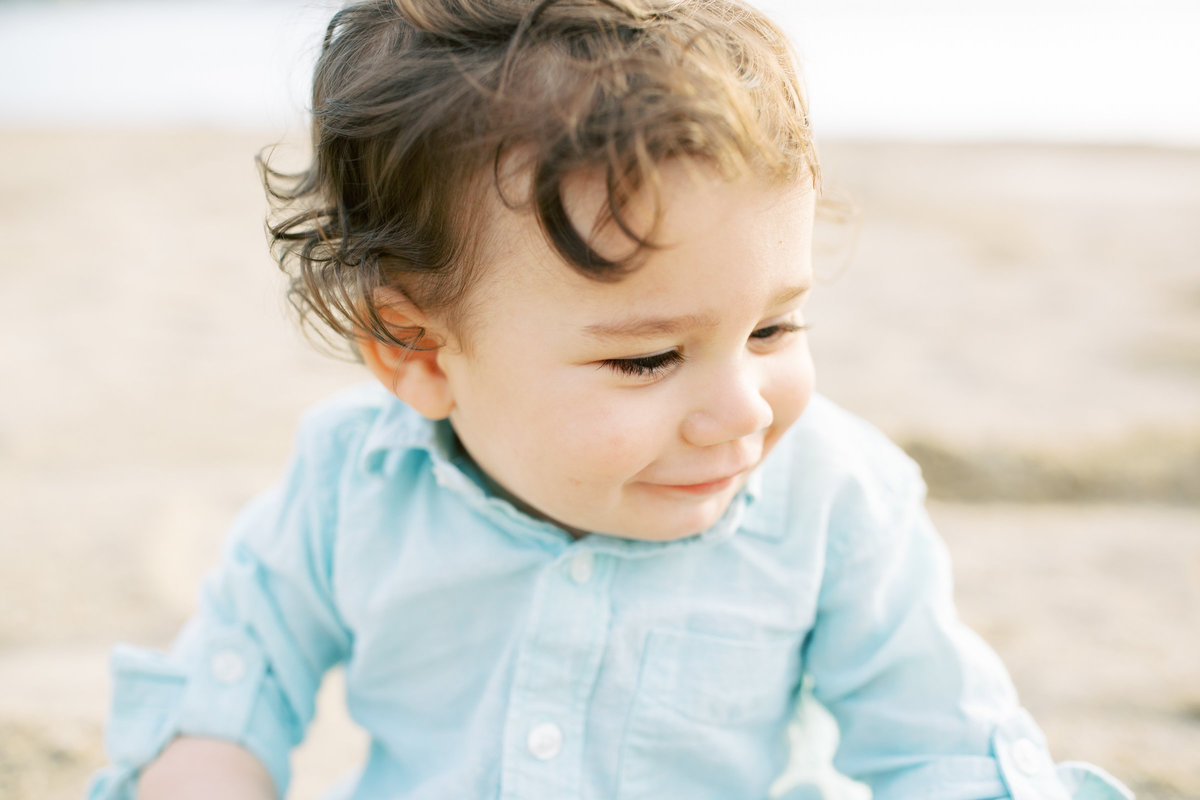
1023 318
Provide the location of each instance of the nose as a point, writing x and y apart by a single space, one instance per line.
726 408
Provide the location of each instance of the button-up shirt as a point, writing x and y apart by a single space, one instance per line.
489 654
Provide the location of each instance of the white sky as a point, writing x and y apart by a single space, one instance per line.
1079 70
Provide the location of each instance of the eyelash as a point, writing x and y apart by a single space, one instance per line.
661 363
645 366
778 329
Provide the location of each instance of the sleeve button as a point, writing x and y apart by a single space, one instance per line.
1028 757
227 667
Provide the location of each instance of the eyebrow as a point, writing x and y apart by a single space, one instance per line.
651 326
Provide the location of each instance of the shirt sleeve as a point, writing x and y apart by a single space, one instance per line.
924 707
247 666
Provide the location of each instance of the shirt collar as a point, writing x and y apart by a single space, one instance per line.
398 431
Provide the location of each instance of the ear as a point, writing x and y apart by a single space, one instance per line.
413 374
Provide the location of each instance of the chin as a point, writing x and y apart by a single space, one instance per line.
680 524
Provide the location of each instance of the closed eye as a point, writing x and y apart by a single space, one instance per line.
777 331
645 366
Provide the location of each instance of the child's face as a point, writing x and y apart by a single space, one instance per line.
638 408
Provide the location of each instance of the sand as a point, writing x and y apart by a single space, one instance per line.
1024 319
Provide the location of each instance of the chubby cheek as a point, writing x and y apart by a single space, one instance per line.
603 445
789 394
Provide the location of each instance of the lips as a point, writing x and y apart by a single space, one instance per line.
710 486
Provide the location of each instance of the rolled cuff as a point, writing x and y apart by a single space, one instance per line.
1029 773
229 695
1019 767
1088 782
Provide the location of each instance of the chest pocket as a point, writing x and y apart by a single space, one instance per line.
719 681
710 717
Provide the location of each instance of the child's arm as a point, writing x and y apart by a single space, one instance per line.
924 707
246 668
200 769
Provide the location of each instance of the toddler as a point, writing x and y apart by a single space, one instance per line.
590 529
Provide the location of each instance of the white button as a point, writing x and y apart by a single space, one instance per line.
582 566
227 666
545 741
1028 757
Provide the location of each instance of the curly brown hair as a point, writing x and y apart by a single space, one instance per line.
416 103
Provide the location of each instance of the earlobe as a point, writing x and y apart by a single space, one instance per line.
412 373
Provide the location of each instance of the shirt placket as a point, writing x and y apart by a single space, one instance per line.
556 670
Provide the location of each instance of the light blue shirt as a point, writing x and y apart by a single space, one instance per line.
490 655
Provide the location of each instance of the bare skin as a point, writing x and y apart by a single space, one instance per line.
202 769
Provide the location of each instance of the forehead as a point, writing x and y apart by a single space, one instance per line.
719 244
